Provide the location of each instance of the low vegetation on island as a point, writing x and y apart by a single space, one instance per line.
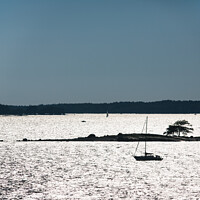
174 133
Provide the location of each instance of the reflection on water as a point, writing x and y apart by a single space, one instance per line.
69 126
93 170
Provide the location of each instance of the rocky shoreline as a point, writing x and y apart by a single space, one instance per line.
134 137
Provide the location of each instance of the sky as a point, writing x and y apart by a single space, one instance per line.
99 51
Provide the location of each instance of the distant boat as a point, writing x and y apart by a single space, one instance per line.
147 156
107 114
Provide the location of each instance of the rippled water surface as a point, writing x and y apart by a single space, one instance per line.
95 170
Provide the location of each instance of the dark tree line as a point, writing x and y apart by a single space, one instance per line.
161 107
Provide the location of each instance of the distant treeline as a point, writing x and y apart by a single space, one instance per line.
166 106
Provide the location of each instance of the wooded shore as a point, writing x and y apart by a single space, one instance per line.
157 107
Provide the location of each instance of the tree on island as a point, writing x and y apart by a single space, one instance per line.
180 126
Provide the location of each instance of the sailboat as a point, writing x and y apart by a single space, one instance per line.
147 156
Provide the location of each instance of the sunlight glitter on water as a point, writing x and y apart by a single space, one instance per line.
94 170
70 126
98 171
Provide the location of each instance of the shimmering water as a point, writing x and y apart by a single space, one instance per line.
95 170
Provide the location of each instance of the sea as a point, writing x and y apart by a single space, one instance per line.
95 170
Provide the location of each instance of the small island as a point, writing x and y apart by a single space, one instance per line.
174 133
133 137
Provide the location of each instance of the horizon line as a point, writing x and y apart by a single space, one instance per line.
103 103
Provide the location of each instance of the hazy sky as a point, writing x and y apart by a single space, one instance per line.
65 51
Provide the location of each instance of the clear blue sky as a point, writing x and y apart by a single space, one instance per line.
69 51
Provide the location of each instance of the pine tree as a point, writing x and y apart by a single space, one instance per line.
179 127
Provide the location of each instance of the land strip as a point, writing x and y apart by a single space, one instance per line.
134 137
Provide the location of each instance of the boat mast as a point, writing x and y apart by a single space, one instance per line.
145 137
